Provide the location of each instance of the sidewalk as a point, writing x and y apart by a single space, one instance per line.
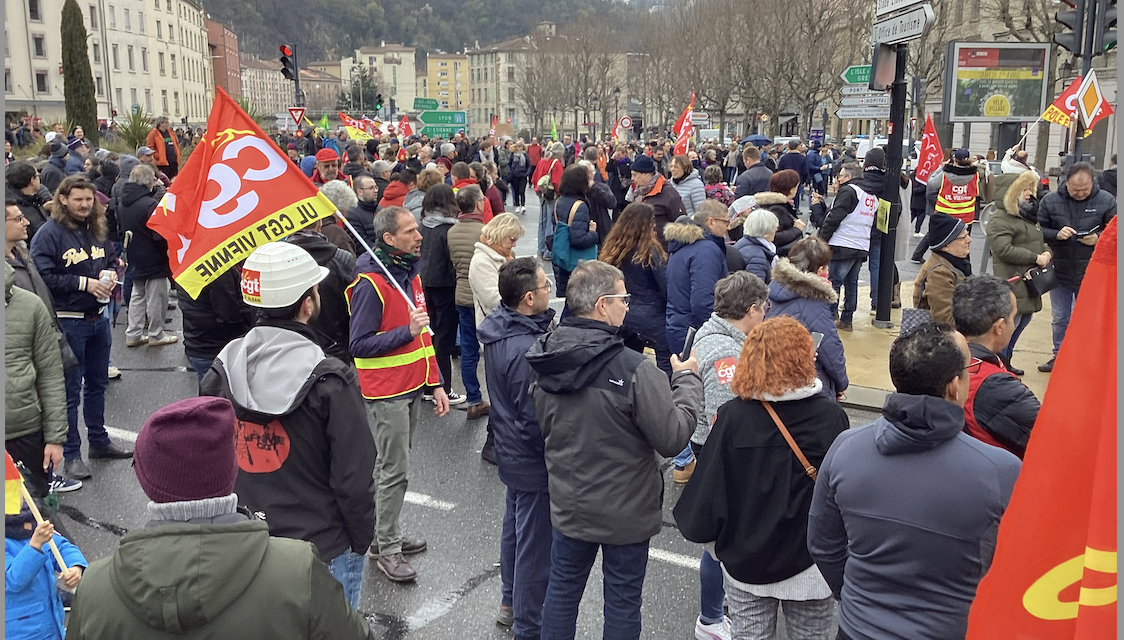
867 350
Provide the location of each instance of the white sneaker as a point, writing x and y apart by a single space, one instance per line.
718 631
918 235
456 398
114 372
167 338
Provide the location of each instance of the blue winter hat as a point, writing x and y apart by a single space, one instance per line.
643 164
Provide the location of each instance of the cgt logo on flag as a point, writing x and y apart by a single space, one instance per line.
236 192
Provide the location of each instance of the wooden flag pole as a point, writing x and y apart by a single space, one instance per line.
39 519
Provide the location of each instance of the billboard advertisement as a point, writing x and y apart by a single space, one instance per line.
996 81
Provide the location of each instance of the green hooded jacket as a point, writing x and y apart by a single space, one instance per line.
34 391
186 580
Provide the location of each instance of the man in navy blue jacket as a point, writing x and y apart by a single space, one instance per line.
508 333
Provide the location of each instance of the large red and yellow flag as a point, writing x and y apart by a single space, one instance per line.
1063 110
1054 572
236 192
931 155
12 483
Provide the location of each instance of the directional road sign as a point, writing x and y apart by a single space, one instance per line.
903 27
884 7
864 113
444 131
856 74
443 117
858 90
421 104
865 101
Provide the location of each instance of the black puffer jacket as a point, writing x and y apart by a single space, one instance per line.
31 206
148 250
334 321
362 217
1058 210
1002 406
216 317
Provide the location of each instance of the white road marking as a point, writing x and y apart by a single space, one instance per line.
122 434
677 559
423 500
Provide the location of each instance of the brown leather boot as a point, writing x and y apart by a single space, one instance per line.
396 568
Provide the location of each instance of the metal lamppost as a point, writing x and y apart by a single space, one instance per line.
576 122
616 106
554 120
362 106
594 101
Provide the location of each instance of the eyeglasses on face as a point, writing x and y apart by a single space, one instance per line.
19 218
626 298
974 366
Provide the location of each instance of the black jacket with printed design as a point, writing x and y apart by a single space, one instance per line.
65 258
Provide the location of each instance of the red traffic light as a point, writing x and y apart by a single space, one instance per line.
286 50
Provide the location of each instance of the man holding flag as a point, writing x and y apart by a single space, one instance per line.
393 350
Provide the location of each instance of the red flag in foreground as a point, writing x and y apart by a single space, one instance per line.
1063 110
681 144
236 192
1054 572
931 155
12 483
684 123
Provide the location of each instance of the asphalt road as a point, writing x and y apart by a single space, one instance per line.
455 502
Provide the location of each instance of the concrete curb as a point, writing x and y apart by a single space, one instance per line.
865 398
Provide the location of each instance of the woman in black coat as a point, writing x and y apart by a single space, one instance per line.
778 199
750 494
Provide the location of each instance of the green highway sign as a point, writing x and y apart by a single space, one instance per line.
421 104
444 131
444 117
856 74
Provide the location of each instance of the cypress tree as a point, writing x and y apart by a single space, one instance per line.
78 78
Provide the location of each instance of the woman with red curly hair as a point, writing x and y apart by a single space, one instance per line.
750 494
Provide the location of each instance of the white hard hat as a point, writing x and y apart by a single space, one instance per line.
277 274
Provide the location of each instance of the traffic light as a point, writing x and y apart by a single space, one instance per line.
288 63
393 110
1105 37
1072 20
638 126
378 102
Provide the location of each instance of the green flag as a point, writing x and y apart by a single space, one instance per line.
553 129
323 123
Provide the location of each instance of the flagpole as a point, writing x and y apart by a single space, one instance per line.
1028 129
39 519
371 252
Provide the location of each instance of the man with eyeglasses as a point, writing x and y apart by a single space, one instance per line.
1000 410
605 412
906 510
362 215
507 333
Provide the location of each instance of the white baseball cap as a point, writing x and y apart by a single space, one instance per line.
277 274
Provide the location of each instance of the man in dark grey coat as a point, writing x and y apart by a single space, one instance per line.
609 407
755 178
1072 219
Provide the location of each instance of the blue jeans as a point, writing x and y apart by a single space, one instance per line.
546 223
470 353
571 560
200 365
525 559
347 567
844 274
90 340
1061 307
711 590
684 458
1021 322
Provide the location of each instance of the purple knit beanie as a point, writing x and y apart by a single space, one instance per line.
185 451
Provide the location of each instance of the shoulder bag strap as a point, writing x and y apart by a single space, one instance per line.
808 468
573 210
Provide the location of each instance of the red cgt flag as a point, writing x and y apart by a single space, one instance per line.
931 154
684 123
1054 572
236 192
1063 110
404 127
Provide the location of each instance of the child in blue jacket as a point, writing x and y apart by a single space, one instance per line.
32 607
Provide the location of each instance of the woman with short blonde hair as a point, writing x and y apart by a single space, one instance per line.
496 246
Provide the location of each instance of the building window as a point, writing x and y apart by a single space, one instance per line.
128 21
148 100
99 85
93 17
176 99
112 17
120 100
34 11
39 46
174 65
140 22
116 57
42 83
129 57
169 5
144 59
511 74
133 96
511 94
159 31
8 81
164 100
160 60
97 53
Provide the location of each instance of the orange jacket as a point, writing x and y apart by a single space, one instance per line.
155 141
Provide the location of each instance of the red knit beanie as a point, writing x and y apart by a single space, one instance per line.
185 451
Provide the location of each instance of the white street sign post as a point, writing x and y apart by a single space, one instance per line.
884 7
858 90
864 113
865 101
903 27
